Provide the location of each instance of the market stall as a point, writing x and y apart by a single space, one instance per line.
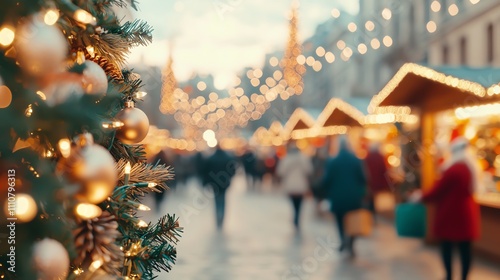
437 97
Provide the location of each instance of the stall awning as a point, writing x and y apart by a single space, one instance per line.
298 124
337 117
437 89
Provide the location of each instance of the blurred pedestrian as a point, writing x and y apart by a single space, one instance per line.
377 175
249 162
345 181
457 216
218 171
167 159
293 172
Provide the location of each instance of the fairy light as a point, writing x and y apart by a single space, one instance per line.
335 13
431 26
95 265
386 14
453 10
387 41
90 50
78 271
84 17
88 211
127 173
51 16
7 36
352 27
330 57
369 25
375 43
64 147
28 111
320 51
140 94
143 207
341 44
142 224
474 2
42 95
435 6
362 49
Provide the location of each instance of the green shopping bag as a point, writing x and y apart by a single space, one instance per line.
411 220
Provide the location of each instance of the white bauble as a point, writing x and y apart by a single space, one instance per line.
50 260
94 78
40 48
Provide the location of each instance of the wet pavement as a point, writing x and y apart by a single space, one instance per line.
258 241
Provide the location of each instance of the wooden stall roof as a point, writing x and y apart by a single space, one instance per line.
299 120
339 113
438 89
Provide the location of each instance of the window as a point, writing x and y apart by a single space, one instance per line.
463 51
491 43
446 54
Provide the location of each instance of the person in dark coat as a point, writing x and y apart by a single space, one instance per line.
219 169
163 158
377 175
345 181
249 162
457 216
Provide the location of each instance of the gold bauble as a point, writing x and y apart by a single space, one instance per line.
57 88
94 78
92 167
40 48
135 124
50 260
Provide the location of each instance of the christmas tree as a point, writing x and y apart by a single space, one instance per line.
292 70
72 170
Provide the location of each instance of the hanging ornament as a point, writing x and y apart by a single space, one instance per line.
40 48
50 259
58 88
92 167
135 124
95 240
94 78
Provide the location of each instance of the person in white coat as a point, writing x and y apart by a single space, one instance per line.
294 171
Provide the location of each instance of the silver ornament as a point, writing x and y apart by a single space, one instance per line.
50 260
94 78
40 48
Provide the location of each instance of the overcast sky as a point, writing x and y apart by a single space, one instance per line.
223 36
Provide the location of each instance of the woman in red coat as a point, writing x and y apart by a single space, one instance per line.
457 213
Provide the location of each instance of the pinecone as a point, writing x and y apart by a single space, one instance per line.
95 240
111 69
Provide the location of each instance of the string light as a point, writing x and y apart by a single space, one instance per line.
330 57
375 43
369 25
335 13
431 26
64 147
435 6
474 2
387 41
95 265
362 49
341 44
352 27
142 224
127 170
88 211
320 51
386 14
143 207
51 16
78 271
453 10
7 36
84 17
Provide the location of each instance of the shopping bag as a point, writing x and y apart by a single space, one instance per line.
358 223
411 220
384 202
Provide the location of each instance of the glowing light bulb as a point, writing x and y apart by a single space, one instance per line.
7 36
88 211
84 17
142 223
51 17
143 207
128 167
65 147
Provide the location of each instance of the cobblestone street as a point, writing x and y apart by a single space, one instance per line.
259 242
